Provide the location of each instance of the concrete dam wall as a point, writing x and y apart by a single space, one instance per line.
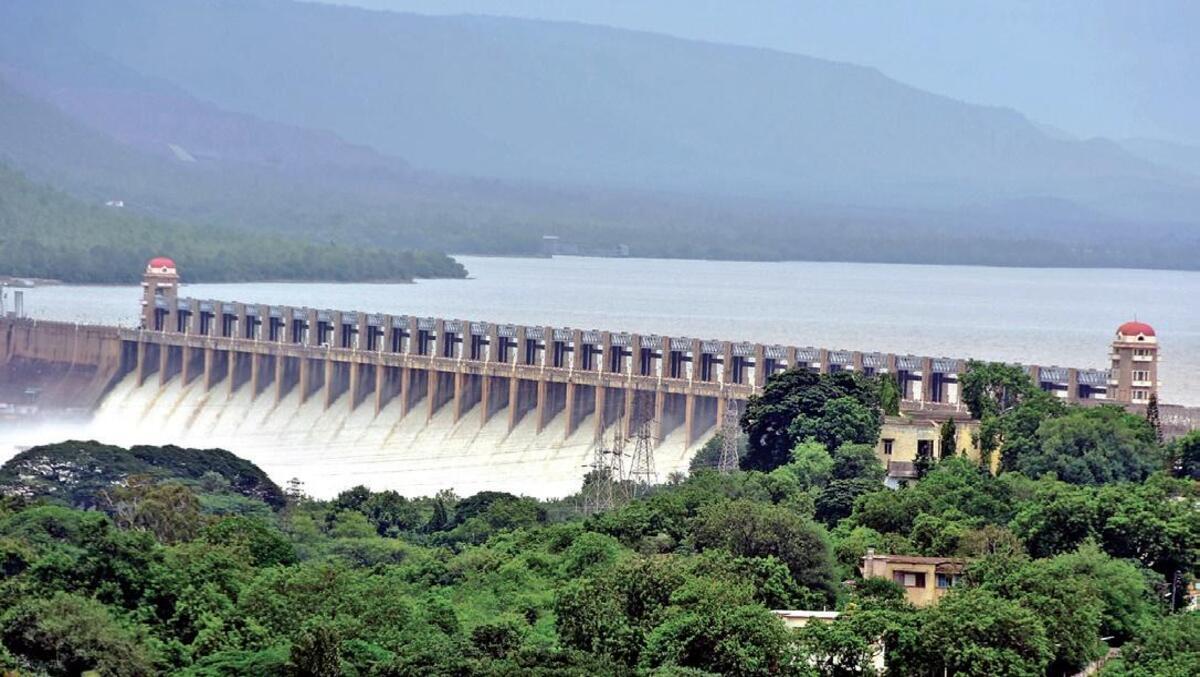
414 404
330 418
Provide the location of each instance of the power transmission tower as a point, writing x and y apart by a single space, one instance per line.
598 487
621 493
606 487
641 468
731 435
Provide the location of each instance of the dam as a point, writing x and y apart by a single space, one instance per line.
420 404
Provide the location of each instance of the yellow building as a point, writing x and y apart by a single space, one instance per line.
925 579
905 438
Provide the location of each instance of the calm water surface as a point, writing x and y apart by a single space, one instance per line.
1035 316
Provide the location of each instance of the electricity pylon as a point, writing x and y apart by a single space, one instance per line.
731 433
606 486
641 468
598 487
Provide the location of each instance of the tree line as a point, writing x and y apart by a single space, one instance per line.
48 234
185 570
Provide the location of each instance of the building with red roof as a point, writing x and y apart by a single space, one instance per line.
1134 376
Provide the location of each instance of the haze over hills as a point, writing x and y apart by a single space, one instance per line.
47 234
600 135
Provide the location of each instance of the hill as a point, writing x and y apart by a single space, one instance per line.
441 137
1180 156
77 474
48 234
484 96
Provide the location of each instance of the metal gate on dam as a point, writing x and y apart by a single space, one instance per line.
420 403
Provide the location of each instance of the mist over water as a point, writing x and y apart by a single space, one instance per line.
1034 316
336 448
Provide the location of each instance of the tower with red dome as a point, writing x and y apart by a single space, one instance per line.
1134 375
160 294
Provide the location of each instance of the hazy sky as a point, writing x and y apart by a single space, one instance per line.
1113 68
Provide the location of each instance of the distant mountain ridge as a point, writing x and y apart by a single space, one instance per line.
523 99
271 115
169 123
1180 156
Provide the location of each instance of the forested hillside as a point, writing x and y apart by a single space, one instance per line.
180 572
48 234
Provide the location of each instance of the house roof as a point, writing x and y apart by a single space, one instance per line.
804 613
950 564
905 469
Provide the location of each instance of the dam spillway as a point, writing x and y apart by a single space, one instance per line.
420 404
333 447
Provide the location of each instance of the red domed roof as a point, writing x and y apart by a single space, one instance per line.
1135 328
161 262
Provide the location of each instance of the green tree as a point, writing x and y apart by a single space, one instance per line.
948 438
974 632
846 647
811 465
1169 647
889 395
317 652
1155 523
611 614
750 529
1094 445
1185 456
439 520
718 628
1068 605
1015 431
923 463
391 513
1127 600
993 388
169 510
838 498
797 393
497 639
69 634
265 545
840 421
857 461
1057 519
351 499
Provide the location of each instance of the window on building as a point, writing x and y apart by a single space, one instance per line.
924 448
1141 352
1141 375
887 446
1140 395
909 579
947 580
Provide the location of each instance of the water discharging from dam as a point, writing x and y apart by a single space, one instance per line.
333 449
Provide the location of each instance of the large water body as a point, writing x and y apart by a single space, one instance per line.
1034 316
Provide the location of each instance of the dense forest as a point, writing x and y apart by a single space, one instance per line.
1080 548
47 234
